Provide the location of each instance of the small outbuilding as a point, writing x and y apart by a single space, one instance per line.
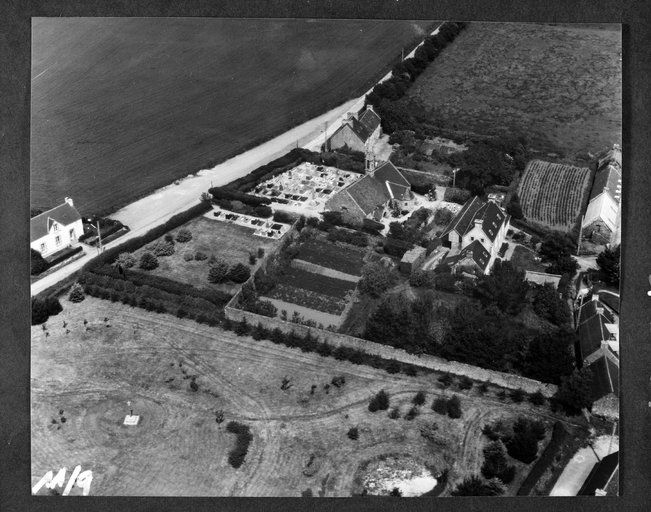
412 260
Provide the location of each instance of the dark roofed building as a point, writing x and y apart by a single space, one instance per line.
474 255
605 378
359 131
601 476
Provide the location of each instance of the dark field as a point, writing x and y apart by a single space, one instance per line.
558 84
331 256
123 106
317 283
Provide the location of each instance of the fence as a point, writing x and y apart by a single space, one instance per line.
504 380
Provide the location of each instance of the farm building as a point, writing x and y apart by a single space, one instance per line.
412 260
370 197
55 229
484 223
602 217
598 349
358 131
541 278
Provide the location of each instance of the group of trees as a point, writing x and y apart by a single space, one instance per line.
557 248
608 261
42 309
377 278
221 271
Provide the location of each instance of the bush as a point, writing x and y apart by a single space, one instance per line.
148 261
38 264
380 402
237 455
558 440
446 380
518 395
239 273
419 398
456 195
454 407
395 413
194 386
440 405
252 259
483 387
338 381
397 248
465 382
161 248
76 293
412 413
393 366
495 464
537 398
126 260
183 235
188 256
200 256
421 278
376 279
353 433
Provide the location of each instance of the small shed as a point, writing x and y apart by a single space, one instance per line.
541 278
412 260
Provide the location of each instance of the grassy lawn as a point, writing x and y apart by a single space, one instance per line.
559 85
230 242
328 255
524 259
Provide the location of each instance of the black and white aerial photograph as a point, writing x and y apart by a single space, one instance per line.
293 257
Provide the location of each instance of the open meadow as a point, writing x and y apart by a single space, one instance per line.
86 378
560 85
123 106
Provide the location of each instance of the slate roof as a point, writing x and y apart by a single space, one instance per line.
464 218
493 218
40 225
591 333
605 378
398 191
388 172
601 474
589 309
475 251
608 178
368 193
370 120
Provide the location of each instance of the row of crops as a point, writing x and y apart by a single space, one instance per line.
552 194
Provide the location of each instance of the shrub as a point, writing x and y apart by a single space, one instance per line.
188 256
237 455
454 407
380 402
559 436
421 278
412 413
397 248
465 382
161 248
518 395
393 366
446 380
440 405
353 433
483 387
194 386
419 398
495 463
395 413
537 398
38 263
126 260
239 273
252 259
148 261
200 256
376 279
456 195
501 394
338 381
183 235
76 293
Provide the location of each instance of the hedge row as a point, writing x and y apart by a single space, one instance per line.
397 248
233 195
559 437
113 226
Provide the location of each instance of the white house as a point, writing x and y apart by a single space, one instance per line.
485 223
55 229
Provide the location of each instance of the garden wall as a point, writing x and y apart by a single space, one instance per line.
435 363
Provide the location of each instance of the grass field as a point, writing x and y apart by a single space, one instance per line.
559 85
553 195
524 259
331 256
123 106
88 376
229 242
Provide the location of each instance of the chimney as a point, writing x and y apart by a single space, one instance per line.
595 296
600 311
370 107
349 115
69 201
479 222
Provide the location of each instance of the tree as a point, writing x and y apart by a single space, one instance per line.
419 398
575 391
550 356
148 261
76 293
443 217
376 279
555 245
218 272
473 485
440 405
38 264
564 264
505 287
548 305
608 261
183 235
513 208
353 433
495 463
239 273
454 407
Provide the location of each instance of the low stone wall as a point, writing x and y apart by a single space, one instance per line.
505 380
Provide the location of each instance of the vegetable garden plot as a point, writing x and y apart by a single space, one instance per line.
331 256
308 299
317 283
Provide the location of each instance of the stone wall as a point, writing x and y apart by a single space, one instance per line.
435 363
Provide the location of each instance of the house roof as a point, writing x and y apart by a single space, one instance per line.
592 332
605 378
40 225
398 191
601 475
388 172
608 179
478 253
370 120
541 278
602 207
611 156
368 193
492 218
464 218
594 307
